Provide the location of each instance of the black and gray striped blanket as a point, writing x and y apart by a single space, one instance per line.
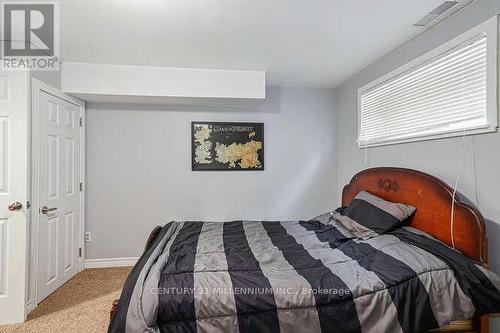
299 276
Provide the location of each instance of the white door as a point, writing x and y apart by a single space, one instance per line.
59 193
13 194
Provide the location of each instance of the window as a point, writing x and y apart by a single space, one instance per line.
449 91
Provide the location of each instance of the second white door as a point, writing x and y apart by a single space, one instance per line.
59 193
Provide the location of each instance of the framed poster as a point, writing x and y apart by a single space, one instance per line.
221 146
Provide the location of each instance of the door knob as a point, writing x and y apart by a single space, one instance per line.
15 206
45 209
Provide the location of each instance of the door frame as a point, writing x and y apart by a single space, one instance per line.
38 86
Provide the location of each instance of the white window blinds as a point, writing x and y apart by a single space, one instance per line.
445 94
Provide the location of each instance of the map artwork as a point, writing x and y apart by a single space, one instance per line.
227 146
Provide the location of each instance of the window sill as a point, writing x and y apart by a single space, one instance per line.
427 137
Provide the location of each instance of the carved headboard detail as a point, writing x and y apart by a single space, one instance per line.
388 184
432 198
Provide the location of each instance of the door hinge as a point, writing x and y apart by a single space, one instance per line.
81 122
80 252
81 187
28 204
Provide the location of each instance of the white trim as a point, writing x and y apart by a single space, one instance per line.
110 262
36 87
29 307
490 27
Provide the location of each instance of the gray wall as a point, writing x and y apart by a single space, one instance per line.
139 168
438 157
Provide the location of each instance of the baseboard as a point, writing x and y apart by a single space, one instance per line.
110 262
30 306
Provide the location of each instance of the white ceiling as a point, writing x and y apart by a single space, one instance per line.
298 42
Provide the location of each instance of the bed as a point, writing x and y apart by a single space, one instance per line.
297 276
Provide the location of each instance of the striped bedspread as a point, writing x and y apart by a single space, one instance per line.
312 276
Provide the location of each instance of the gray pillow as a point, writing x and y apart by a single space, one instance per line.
369 215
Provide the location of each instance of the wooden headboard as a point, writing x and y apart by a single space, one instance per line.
432 198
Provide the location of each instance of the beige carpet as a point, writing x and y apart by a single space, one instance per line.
81 305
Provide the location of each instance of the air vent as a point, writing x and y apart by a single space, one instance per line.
435 13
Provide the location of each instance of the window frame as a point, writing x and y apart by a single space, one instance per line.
490 28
